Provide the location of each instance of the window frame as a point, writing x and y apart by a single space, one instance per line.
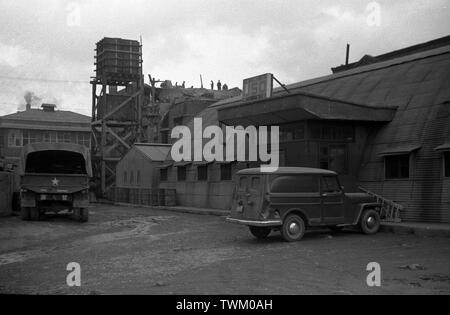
317 178
183 171
222 173
203 178
18 135
385 161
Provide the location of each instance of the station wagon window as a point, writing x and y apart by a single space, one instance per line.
202 173
225 172
164 174
295 184
182 173
397 167
447 163
330 184
243 182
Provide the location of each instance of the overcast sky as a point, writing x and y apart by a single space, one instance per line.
44 44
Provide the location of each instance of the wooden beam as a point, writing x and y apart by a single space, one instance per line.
117 137
122 105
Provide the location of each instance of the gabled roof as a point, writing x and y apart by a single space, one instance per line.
154 151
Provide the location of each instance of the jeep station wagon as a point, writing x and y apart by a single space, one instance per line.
293 199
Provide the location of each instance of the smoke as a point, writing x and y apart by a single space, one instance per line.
30 98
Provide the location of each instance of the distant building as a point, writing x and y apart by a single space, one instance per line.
41 125
139 167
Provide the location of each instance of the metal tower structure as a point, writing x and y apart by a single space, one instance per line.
117 105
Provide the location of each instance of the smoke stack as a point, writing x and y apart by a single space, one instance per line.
28 107
347 58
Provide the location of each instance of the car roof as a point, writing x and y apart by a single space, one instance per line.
287 171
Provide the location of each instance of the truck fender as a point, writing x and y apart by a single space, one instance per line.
298 212
364 206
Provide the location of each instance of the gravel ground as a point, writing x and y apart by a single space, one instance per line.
140 251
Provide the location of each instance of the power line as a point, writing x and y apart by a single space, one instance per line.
42 80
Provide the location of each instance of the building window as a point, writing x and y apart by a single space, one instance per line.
447 164
225 172
332 133
125 177
29 137
15 138
64 137
334 158
397 167
50 137
181 173
202 173
84 139
138 178
164 174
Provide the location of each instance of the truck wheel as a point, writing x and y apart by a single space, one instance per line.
82 214
293 228
260 232
34 214
370 222
25 213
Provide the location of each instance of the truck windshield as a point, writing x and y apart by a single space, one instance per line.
55 162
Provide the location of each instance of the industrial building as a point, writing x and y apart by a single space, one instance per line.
383 123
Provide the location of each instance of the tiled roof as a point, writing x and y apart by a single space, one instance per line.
39 115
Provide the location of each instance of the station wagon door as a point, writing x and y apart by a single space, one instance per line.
332 201
297 191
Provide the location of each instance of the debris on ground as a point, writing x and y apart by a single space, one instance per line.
413 267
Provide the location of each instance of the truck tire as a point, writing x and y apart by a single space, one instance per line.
260 233
34 214
25 213
370 222
293 228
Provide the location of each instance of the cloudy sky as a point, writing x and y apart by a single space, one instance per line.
47 46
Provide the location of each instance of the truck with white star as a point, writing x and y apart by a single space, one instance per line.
54 179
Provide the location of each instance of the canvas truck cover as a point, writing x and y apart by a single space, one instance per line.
64 147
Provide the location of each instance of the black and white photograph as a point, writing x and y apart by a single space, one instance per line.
224 153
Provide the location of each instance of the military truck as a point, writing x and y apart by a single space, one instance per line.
55 178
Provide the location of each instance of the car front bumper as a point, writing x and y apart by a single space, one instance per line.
267 223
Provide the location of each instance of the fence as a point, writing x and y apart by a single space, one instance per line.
145 197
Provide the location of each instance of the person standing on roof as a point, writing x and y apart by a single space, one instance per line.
219 85
225 87
212 85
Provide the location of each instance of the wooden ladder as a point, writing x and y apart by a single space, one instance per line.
390 210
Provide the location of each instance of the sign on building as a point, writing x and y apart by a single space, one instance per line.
258 87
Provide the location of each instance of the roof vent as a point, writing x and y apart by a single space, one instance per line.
48 107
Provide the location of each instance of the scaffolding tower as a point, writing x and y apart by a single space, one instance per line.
117 104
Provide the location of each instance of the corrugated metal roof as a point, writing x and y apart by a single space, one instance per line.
48 116
155 152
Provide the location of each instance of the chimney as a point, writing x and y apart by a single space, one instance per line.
28 106
48 107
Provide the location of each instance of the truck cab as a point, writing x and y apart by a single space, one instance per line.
54 178
293 199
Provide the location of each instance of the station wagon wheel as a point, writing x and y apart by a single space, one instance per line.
293 228
260 232
370 222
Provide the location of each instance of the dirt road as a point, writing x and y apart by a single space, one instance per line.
141 251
